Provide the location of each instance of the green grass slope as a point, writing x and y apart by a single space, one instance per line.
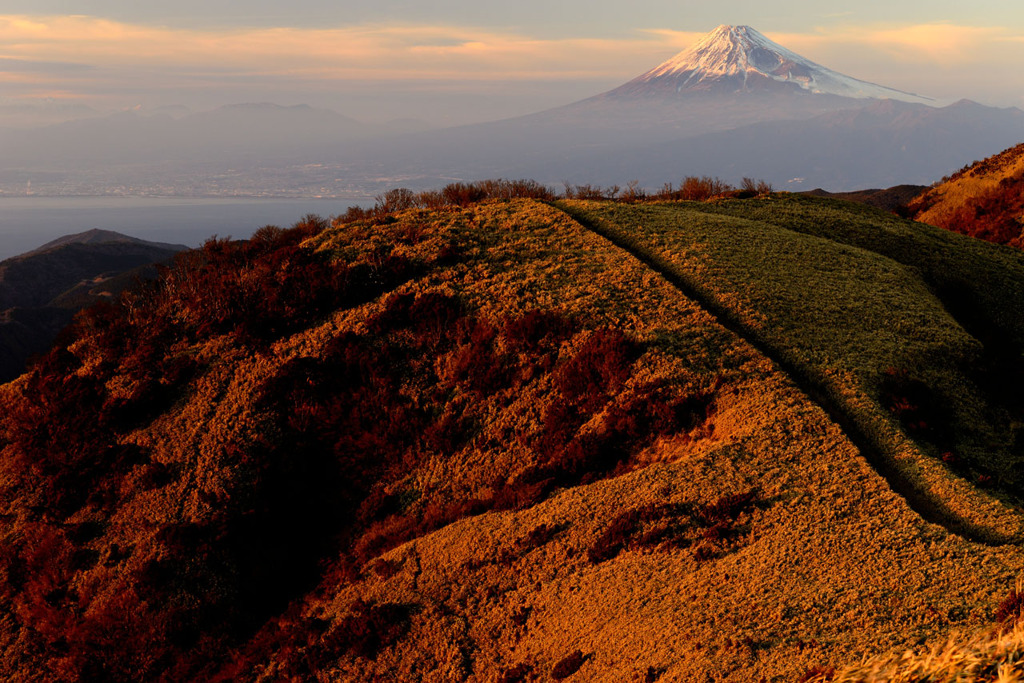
910 333
488 443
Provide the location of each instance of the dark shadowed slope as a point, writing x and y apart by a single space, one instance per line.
890 199
41 290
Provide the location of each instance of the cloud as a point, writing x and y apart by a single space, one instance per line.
11 65
942 60
437 52
932 44
352 52
49 53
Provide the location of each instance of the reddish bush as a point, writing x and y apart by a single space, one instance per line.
755 187
612 540
398 199
539 536
516 674
915 405
569 665
1011 609
652 674
536 329
633 193
726 508
993 215
463 194
627 530
590 192
529 488
365 632
668 526
599 368
817 673
694 188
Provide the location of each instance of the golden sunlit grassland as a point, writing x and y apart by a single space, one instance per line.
984 200
997 655
486 443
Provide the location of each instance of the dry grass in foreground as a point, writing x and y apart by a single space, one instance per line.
996 655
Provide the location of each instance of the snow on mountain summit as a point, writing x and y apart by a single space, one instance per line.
740 59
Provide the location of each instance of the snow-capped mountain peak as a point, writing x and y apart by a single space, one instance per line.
740 59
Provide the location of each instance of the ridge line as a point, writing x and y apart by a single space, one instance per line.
924 505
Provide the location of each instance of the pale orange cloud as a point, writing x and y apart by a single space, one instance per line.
937 43
937 59
344 52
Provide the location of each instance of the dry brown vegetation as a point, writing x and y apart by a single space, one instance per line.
984 200
476 441
997 655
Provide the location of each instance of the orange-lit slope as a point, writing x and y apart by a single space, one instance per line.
984 200
474 443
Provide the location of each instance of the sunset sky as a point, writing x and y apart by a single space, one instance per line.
455 61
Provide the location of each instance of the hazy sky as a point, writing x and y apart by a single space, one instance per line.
453 61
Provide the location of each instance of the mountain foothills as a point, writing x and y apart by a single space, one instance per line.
41 290
487 434
736 103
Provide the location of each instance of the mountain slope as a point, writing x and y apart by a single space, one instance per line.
889 199
720 83
487 443
957 370
97 236
984 200
881 144
228 134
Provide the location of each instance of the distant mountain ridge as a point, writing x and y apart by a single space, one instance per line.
888 199
881 144
97 236
36 278
735 104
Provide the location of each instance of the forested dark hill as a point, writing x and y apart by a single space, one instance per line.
41 290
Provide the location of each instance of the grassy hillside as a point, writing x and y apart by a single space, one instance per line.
908 331
984 200
518 440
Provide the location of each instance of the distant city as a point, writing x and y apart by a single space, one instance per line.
317 181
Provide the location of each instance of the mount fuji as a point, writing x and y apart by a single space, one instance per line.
734 104
735 59
731 77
